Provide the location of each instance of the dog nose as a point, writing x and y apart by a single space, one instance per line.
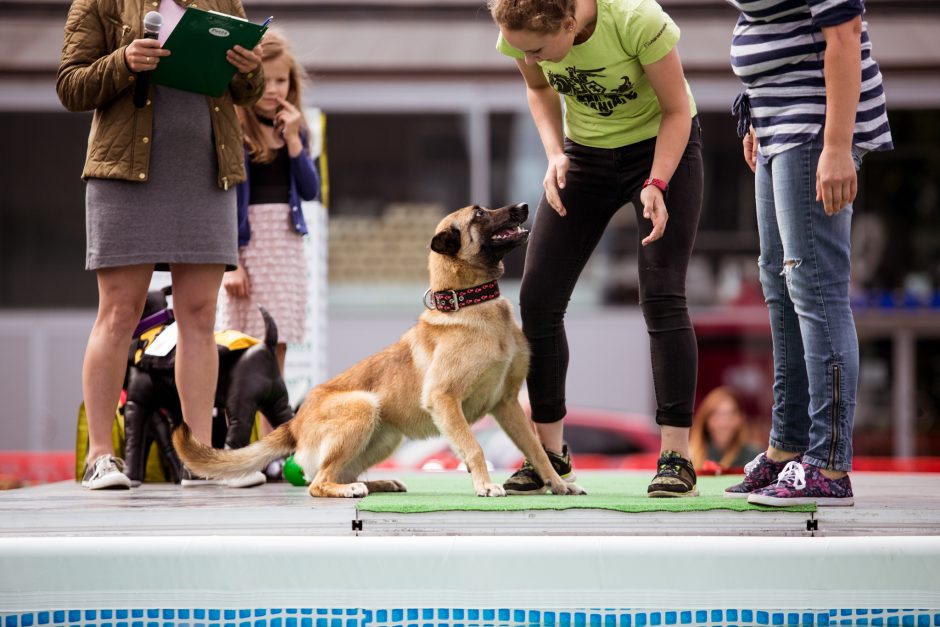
520 211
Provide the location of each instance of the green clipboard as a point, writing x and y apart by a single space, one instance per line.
198 45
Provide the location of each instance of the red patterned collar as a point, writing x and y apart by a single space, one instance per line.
451 300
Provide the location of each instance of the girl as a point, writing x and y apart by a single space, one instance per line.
271 268
630 135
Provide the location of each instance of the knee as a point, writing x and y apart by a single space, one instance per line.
196 316
119 318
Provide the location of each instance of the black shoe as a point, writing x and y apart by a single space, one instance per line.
675 476
527 481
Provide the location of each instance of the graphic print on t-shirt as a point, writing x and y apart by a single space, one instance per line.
580 84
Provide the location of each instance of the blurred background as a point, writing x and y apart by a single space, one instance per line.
424 116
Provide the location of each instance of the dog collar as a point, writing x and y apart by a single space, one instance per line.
451 300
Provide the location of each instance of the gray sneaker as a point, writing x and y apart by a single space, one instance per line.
250 480
106 473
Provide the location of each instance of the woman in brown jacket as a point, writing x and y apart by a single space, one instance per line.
160 194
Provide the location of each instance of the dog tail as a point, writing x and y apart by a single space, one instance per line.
213 463
270 329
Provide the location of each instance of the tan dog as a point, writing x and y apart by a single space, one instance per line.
448 371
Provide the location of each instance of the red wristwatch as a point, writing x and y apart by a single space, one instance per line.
663 186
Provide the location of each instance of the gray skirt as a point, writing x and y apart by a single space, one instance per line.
180 215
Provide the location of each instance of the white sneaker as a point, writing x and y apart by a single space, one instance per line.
250 480
107 472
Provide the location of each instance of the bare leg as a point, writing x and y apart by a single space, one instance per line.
551 435
122 292
675 439
195 291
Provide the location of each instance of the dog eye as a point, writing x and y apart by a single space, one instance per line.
479 213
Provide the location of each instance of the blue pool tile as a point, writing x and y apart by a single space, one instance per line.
701 616
656 618
517 615
626 620
793 618
58 616
640 619
11 620
91 615
776 618
808 619
923 620
731 615
26 620
42 618
610 620
594 620
579 619
535 617
548 618
75 616
716 616
427 613
908 620
122 624
306 621
685 617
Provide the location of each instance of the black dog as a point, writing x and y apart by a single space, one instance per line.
249 380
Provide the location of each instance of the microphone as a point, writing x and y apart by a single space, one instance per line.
152 23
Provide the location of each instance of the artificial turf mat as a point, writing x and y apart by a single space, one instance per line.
622 492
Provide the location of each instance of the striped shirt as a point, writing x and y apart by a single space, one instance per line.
777 51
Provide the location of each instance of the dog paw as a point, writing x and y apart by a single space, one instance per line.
567 488
491 489
355 490
398 486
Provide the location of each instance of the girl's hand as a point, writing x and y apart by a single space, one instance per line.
245 60
143 55
236 283
554 181
287 120
836 179
750 149
654 208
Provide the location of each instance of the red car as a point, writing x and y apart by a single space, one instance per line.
598 439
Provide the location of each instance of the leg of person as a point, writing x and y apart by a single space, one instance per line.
662 271
816 268
122 292
195 294
558 250
789 430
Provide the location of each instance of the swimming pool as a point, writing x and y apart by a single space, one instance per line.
278 581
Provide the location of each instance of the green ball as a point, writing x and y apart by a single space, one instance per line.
293 472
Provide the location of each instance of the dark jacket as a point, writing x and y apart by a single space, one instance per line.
94 75
304 184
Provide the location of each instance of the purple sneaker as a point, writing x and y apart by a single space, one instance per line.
759 473
803 484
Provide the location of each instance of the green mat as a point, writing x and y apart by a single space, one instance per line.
432 492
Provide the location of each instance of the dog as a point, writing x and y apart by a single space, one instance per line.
465 358
249 379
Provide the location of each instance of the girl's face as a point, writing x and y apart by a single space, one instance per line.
542 46
276 85
723 423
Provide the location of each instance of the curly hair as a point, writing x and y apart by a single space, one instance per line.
540 16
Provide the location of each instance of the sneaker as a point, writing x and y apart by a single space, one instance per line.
107 473
527 481
250 480
759 473
675 476
803 484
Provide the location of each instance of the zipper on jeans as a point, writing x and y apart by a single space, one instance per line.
836 402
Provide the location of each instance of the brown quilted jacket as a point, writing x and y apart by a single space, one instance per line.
93 75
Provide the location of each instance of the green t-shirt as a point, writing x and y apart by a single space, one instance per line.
608 99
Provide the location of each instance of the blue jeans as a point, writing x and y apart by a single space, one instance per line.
804 272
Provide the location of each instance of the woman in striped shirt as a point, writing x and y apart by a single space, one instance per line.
813 106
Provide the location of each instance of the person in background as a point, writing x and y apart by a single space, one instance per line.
160 192
629 134
272 270
719 438
813 105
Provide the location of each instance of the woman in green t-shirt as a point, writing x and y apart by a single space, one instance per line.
628 134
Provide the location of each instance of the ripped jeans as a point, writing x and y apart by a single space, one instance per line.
804 272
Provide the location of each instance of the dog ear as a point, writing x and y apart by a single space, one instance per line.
446 242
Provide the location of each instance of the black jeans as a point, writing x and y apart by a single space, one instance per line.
599 182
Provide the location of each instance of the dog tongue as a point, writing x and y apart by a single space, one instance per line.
506 232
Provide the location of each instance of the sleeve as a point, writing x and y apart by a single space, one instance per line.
89 74
503 46
246 89
305 174
834 12
650 33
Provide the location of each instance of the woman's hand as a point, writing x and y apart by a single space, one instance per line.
750 149
836 179
143 55
654 209
554 181
236 283
245 60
